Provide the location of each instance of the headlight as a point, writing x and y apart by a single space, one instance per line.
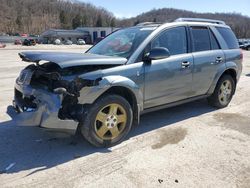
25 77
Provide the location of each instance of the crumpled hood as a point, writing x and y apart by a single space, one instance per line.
65 59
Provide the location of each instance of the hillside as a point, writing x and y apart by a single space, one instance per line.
240 24
35 16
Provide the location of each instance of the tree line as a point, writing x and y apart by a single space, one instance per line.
240 24
36 16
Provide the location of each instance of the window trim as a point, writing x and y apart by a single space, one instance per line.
166 29
212 33
192 38
148 46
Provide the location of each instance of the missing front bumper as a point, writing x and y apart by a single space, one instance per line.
44 113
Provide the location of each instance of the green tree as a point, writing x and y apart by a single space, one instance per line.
19 22
136 22
99 21
112 22
76 21
63 19
84 20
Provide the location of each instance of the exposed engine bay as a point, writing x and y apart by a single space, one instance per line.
56 89
50 76
64 81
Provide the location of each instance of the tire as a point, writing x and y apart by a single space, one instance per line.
248 48
223 92
108 121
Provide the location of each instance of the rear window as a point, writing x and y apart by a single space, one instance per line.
201 39
214 43
229 37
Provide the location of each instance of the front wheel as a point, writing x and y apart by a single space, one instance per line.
108 121
223 92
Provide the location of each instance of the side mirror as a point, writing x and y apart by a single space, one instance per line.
156 54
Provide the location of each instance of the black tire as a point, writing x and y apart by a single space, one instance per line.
89 122
215 100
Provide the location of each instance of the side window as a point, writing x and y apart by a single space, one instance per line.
201 39
175 40
214 43
229 37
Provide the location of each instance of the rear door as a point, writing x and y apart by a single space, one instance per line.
208 58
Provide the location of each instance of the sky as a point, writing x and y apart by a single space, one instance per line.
130 8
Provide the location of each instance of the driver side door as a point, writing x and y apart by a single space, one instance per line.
170 79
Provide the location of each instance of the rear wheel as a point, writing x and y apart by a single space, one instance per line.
108 121
223 92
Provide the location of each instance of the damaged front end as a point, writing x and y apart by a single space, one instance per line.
47 95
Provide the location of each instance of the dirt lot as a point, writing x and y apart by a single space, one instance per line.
192 145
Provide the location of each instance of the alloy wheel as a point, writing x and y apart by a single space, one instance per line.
225 92
110 121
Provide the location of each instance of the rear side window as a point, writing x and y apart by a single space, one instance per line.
201 39
229 37
214 43
175 40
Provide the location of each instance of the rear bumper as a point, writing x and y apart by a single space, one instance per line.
38 107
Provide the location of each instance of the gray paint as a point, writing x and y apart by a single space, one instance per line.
65 60
161 82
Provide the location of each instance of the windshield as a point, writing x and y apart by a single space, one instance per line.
121 43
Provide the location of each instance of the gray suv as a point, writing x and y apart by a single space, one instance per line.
151 66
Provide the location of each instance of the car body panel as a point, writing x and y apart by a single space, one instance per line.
159 83
205 69
65 60
234 61
127 76
166 81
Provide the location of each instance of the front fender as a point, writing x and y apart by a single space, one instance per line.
88 95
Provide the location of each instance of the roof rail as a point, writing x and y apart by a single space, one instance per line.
148 23
200 20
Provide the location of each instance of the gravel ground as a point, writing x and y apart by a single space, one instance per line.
192 145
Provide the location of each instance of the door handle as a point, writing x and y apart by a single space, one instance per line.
218 60
185 64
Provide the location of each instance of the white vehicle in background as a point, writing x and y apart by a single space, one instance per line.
80 42
57 42
68 42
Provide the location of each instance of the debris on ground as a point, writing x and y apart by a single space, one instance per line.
160 180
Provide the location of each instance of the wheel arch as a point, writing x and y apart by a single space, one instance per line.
230 71
127 94
119 85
